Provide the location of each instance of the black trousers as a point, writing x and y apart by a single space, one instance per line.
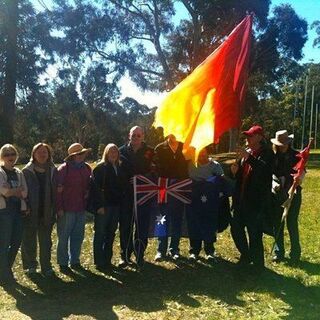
131 224
248 243
126 223
195 246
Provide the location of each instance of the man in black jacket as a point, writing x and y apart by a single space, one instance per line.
136 158
170 163
253 174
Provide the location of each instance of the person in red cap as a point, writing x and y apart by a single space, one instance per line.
253 174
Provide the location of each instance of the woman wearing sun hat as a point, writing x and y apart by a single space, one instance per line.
73 187
285 159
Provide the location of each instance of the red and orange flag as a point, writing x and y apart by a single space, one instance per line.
207 103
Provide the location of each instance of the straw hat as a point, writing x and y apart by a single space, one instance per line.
76 148
282 138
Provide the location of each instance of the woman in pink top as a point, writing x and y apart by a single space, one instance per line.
73 187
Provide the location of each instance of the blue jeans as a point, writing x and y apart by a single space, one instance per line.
10 240
70 229
105 226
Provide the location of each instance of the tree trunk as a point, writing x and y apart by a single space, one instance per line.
233 139
8 104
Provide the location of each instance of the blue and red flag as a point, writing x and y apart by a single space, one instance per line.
163 198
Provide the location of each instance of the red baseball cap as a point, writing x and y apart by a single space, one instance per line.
254 130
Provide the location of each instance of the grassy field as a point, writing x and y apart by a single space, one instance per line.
181 291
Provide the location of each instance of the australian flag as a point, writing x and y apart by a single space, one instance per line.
208 200
164 199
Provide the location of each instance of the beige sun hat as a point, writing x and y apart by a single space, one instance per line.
76 148
282 138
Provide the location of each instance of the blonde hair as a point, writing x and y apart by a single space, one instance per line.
8 147
38 146
106 151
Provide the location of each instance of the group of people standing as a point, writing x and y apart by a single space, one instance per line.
34 198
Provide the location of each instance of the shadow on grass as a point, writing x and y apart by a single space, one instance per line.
95 294
312 269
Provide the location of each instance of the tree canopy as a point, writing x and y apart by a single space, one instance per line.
92 44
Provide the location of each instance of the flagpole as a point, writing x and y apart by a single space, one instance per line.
295 108
316 127
311 114
304 112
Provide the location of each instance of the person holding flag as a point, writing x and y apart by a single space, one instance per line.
286 158
253 174
136 157
207 191
171 163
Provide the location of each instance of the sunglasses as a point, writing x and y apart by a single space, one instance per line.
6 155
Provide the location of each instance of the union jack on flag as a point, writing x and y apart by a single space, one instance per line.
145 189
158 201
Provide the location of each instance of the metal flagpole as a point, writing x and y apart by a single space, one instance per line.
311 114
316 127
304 112
295 109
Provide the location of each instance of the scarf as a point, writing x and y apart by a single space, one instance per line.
48 200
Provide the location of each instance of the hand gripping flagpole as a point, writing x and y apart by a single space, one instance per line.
300 168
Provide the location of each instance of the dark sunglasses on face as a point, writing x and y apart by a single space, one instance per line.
6 155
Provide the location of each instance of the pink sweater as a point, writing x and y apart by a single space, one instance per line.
73 187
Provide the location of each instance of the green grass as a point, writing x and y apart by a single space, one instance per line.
184 291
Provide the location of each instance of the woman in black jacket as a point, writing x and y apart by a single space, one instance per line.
109 182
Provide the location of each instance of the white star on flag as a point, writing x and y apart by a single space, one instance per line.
204 199
161 219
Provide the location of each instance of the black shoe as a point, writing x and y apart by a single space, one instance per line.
244 260
77 267
48 273
140 262
65 269
294 261
104 268
9 281
277 258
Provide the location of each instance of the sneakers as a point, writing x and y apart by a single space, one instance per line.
176 256
158 257
193 257
211 258
277 258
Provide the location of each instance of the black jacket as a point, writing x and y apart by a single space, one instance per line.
283 167
170 164
139 162
108 188
252 195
